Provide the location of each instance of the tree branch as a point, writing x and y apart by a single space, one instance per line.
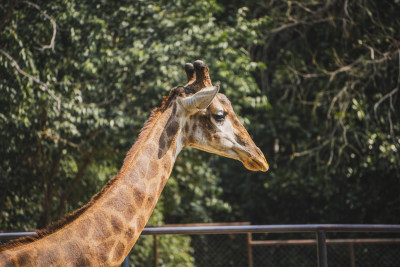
34 79
54 137
309 151
53 23
390 94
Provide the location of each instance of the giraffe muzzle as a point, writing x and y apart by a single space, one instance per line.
253 160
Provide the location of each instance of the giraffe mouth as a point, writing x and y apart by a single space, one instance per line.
253 161
255 165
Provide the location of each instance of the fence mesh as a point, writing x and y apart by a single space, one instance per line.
225 250
220 250
231 250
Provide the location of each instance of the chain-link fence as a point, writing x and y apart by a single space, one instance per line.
240 246
254 249
341 252
220 250
353 254
233 250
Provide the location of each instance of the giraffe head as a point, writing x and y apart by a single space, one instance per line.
210 124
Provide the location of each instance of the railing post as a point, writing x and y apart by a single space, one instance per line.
321 249
155 250
125 263
249 249
352 258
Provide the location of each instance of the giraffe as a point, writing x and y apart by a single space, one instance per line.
102 232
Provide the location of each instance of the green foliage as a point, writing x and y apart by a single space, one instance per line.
172 250
71 109
330 130
316 84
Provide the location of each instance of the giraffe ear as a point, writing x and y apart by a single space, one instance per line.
200 100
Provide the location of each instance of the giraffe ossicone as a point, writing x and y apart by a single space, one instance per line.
102 232
200 100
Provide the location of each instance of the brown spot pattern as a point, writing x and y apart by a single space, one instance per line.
186 128
149 202
172 129
4 258
168 136
24 259
194 127
103 250
161 143
118 251
130 233
140 221
139 196
11 262
116 224
129 212
100 227
190 140
82 261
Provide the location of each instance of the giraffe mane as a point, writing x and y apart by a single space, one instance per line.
167 100
69 218
53 227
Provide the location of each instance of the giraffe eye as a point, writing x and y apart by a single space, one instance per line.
219 117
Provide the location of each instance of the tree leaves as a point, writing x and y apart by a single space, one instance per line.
314 82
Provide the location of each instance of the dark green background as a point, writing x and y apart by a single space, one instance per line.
316 83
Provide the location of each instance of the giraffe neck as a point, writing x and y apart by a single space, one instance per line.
105 233
141 180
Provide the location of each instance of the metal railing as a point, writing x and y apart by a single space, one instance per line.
350 242
320 231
